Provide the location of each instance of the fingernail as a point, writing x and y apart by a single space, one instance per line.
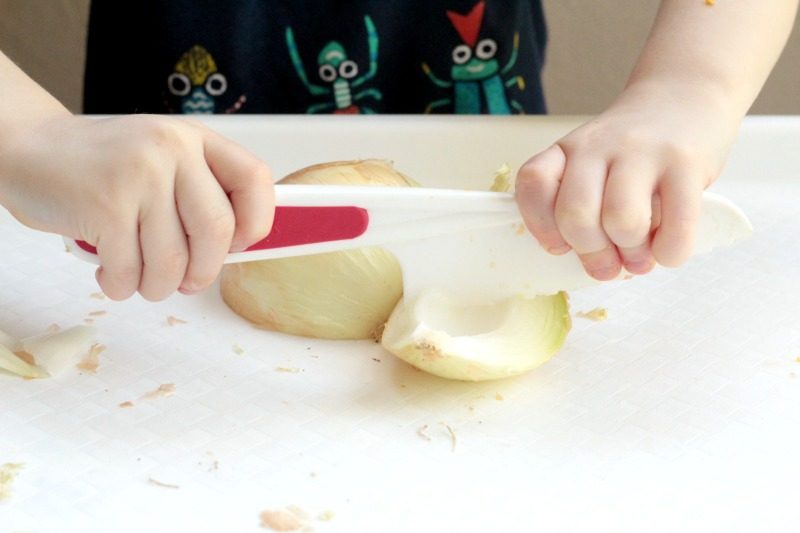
559 250
639 267
187 291
604 273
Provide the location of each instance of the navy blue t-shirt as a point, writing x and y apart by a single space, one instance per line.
315 56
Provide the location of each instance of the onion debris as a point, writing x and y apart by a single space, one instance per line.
158 483
163 391
281 520
174 321
91 360
8 473
597 314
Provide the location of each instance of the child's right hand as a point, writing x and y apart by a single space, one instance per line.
163 199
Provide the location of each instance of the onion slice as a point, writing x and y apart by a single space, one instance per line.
10 362
55 352
439 335
7 340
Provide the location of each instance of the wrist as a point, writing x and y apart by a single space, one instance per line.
29 121
18 140
709 93
704 99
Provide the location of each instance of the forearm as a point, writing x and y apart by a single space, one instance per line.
23 103
724 52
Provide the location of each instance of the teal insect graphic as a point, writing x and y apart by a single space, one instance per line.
341 73
476 78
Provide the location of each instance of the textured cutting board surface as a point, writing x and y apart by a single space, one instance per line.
680 412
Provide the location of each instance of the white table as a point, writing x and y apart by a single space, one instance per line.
680 412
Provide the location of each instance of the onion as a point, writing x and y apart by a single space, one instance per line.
442 335
439 335
338 295
56 352
350 295
10 362
7 340
49 354
362 172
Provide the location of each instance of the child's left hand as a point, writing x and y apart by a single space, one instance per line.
625 189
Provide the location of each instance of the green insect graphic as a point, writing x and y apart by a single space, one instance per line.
341 73
476 76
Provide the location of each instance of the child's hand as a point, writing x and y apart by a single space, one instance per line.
163 199
625 189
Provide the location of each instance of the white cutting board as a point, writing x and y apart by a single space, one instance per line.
681 412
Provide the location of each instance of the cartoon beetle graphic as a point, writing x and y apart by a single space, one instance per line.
476 76
340 72
198 83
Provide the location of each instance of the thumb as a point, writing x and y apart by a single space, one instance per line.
248 182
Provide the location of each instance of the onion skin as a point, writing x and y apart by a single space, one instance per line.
337 295
362 172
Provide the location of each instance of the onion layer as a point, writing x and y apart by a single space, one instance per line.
439 335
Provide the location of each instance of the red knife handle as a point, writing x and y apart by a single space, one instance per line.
304 225
307 225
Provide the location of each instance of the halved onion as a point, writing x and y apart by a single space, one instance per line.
337 295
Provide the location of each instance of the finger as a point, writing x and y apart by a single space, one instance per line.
655 209
646 260
164 250
248 182
578 216
680 212
627 213
208 223
638 259
121 262
536 191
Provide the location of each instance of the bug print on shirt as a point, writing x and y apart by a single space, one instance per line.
315 56
477 81
340 74
198 84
